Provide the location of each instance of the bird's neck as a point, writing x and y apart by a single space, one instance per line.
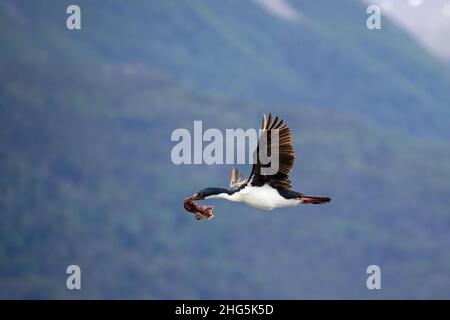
223 194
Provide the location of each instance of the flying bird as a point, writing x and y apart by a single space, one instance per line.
260 191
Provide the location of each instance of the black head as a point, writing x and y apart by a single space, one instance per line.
206 192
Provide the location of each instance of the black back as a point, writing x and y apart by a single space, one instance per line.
289 194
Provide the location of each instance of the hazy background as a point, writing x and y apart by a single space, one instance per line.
427 20
86 176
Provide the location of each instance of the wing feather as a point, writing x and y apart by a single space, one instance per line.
283 149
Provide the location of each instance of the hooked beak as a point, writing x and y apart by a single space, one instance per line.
196 196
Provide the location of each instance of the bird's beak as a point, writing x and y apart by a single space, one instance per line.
196 196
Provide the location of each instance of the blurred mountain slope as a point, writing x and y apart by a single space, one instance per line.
237 48
85 124
87 179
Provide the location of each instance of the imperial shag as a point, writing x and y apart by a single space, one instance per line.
265 192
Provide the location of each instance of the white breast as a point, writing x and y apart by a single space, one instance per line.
263 198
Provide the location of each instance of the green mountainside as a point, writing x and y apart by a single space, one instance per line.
329 59
87 179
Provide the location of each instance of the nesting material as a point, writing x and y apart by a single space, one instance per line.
200 212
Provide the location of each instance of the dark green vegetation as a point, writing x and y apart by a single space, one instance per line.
86 176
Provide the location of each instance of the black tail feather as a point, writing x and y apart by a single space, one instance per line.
314 199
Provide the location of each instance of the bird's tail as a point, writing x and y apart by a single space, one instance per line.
314 199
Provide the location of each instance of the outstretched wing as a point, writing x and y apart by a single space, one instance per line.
283 147
236 181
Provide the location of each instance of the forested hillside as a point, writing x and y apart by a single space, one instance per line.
85 124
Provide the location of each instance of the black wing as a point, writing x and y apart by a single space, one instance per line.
285 151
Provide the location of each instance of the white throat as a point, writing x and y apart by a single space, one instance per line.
225 196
